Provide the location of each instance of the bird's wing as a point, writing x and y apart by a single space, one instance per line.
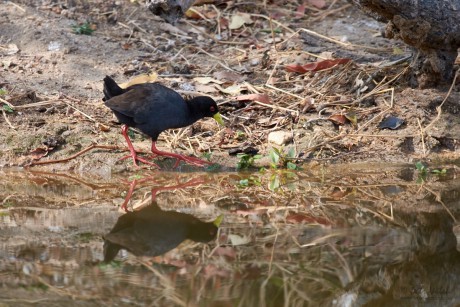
130 101
165 108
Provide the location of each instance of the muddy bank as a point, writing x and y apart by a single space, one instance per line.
52 85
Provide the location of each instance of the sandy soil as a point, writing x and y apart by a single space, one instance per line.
52 78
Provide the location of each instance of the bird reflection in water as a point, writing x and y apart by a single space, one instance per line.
152 232
154 191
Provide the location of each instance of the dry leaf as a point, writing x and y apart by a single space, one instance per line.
228 76
140 79
315 66
206 80
264 98
338 119
39 152
231 90
304 218
238 240
203 88
300 12
238 20
9 49
318 3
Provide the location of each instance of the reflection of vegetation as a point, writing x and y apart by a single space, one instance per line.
274 179
85 237
423 172
279 179
251 181
7 204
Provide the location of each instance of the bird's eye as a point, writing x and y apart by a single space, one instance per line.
212 109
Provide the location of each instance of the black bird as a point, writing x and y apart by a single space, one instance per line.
154 108
152 232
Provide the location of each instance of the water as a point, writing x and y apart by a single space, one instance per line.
338 236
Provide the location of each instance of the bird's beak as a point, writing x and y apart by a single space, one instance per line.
219 119
219 219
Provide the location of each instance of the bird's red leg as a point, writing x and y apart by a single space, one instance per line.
178 157
124 131
124 206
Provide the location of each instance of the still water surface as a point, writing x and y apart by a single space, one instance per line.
325 237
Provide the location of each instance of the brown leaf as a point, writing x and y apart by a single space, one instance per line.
39 152
300 12
192 14
315 66
228 76
264 98
103 128
297 218
206 89
318 3
225 251
338 119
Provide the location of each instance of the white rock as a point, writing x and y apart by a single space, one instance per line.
279 137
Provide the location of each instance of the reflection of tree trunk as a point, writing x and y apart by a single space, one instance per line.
433 27
169 10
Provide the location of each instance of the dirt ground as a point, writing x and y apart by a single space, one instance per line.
51 84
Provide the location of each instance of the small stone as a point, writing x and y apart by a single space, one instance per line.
280 137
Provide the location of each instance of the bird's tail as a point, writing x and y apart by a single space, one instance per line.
111 88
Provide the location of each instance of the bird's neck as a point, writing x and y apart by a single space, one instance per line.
194 112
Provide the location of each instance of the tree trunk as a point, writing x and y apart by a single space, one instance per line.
431 26
169 10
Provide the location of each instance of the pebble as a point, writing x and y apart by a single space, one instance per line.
280 137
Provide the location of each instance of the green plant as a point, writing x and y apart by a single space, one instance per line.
280 159
439 171
240 135
7 108
3 91
251 181
423 171
131 133
85 29
207 155
246 160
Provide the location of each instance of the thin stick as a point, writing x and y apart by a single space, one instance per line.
7 103
22 9
422 135
347 45
275 22
7 120
110 147
439 108
275 107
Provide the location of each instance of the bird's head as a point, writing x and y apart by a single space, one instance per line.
207 107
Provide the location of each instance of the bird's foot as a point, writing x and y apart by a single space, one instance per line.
139 159
191 160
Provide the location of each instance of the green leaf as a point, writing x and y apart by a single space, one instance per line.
3 91
420 167
274 183
243 182
7 108
274 157
84 29
291 165
291 152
